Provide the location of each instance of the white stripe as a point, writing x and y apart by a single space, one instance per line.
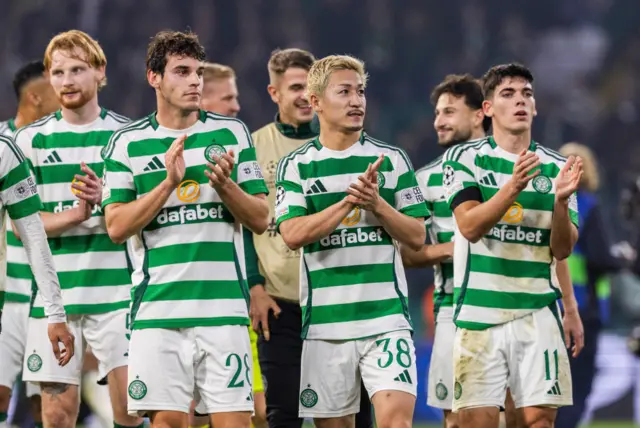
189 234
354 293
68 156
501 283
356 329
508 251
93 226
17 255
168 309
90 260
340 183
480 314
95 295
354 256
20 286
193 271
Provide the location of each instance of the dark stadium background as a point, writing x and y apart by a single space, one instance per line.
585 55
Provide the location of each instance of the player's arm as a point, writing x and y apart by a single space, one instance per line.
426 256
571 322
564 226
243 193
476 217
296 227
124 214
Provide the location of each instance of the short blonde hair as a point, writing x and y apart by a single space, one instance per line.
213 71
590 177
321 70
69 41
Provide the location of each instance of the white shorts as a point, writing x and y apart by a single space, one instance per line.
168 368
106 334
12 345
527 355
440 384
332 371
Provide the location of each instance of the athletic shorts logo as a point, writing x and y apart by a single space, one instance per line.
353 217
514 214
34 362
542 184
188 191
381 180
213 150
280 193
441 391
308 397
457 390
137 389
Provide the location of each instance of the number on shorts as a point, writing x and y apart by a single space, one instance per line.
547 364
247 373
403 353
234 380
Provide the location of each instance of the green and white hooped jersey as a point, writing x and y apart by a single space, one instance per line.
186 270
509 273
352 282
18 194
92 269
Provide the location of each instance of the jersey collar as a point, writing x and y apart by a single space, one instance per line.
302 132
12 125
532 147
318 145
202 117
103 113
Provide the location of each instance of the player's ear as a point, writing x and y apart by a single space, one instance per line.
101 73
478 117
154 79
273 92
314 101
487 108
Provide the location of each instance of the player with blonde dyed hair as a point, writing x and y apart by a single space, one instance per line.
344 198
64 150
220 92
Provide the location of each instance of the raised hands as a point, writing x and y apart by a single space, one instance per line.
174 161
527 162
87 187
365 192
568 180
220 172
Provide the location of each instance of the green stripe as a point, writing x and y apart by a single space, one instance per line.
17 174
89 278
193 290
520 235
444 237
354 311
353 237
145 183
189 322
317 203
25 207
504 166
294 211
470 325
190 214
79 309
83 244
504 300
528 200
254 187
19 271
60 206
16 297
116 166
120 196
190 253
350 275
12 241
56 173
159 146
66 140
435 180
331 167
457 166
510 268
441 209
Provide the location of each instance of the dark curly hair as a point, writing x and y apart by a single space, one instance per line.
496 74
167 43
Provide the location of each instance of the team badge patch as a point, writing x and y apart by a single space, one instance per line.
213 150
542 184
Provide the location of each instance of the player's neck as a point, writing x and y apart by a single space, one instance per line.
286 120
82 115
512 143
338 141
477 134
25 116
173 118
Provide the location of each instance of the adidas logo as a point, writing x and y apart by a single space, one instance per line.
489 180
154 165
555 390
404 377
316 187
54 157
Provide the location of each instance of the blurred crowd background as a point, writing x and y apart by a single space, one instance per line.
585 55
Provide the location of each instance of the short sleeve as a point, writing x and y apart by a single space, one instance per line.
117 179
573 210
290 200
18 190
249 174
457 172
408 197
